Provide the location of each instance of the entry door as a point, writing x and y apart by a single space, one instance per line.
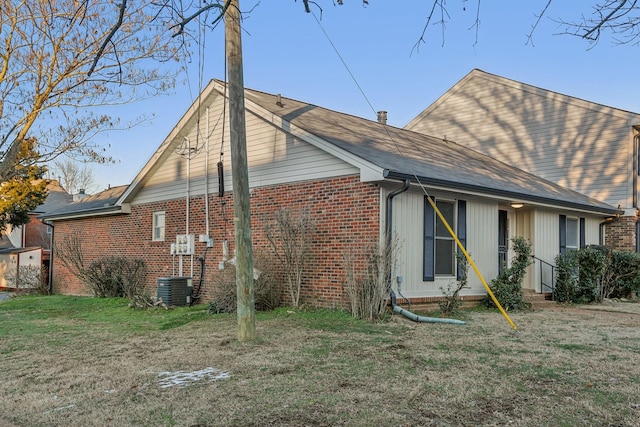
503 239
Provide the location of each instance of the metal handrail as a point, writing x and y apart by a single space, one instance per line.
543 285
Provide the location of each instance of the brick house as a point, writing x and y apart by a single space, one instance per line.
581 145
355 176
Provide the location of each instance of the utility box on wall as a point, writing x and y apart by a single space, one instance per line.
175 290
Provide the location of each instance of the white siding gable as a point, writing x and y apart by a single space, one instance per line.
273 156
580 145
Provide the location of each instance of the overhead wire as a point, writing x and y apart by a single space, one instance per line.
420 184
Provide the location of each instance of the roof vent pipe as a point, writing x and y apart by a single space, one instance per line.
382 117
279 100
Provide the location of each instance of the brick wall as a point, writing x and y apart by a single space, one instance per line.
35 233
345 211
621 233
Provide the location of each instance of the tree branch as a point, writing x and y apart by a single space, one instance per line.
112 32
534 26
604 20
185 21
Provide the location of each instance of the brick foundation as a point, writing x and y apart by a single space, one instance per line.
345 211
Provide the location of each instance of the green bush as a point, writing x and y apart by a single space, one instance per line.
507 287
566 280
622 276
590 274
591 264
115 276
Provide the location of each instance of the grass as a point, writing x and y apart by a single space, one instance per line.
73 361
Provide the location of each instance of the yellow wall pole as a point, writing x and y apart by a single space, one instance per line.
471 263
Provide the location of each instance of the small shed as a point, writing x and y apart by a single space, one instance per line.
20 267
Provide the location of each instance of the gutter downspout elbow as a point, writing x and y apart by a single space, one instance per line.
389 212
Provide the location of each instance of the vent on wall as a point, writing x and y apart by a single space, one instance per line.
175 290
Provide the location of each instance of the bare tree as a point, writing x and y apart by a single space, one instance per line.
617 18
59 58
73 176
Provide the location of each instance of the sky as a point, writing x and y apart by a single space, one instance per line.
290 52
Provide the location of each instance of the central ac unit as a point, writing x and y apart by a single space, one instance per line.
175 290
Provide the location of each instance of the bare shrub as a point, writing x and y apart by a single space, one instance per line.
115 276
69 252
368 285
451 304
28 280
290 237
266 289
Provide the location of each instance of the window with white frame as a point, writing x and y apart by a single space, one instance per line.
158 226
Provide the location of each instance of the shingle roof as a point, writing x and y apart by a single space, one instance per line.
57 197
433 161
102 202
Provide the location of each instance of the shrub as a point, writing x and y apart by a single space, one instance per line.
591 265
266 289
621 277
29 280
566 280
115 276
368 286
507 287
593 273
451 304
290 237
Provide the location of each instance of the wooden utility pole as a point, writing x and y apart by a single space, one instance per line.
240 176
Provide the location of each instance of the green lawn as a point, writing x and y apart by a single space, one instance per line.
78 361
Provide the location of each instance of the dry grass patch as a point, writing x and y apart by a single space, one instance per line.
564 367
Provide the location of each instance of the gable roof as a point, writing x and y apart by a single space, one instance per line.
381 152
57 197
494 79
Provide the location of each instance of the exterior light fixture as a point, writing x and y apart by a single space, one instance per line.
517 205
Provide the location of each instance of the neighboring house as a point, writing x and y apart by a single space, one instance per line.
36 234
353 175
581 145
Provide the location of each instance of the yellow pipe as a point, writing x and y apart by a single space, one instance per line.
471 263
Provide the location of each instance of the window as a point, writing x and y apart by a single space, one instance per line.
445 245
572 233
439 257
158 226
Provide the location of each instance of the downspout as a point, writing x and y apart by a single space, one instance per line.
634 196
50 282
602 225
389 230
206 176
389 214
396 308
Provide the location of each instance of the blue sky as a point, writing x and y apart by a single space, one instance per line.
286 51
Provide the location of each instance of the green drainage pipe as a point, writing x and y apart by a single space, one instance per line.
415 317
423 319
